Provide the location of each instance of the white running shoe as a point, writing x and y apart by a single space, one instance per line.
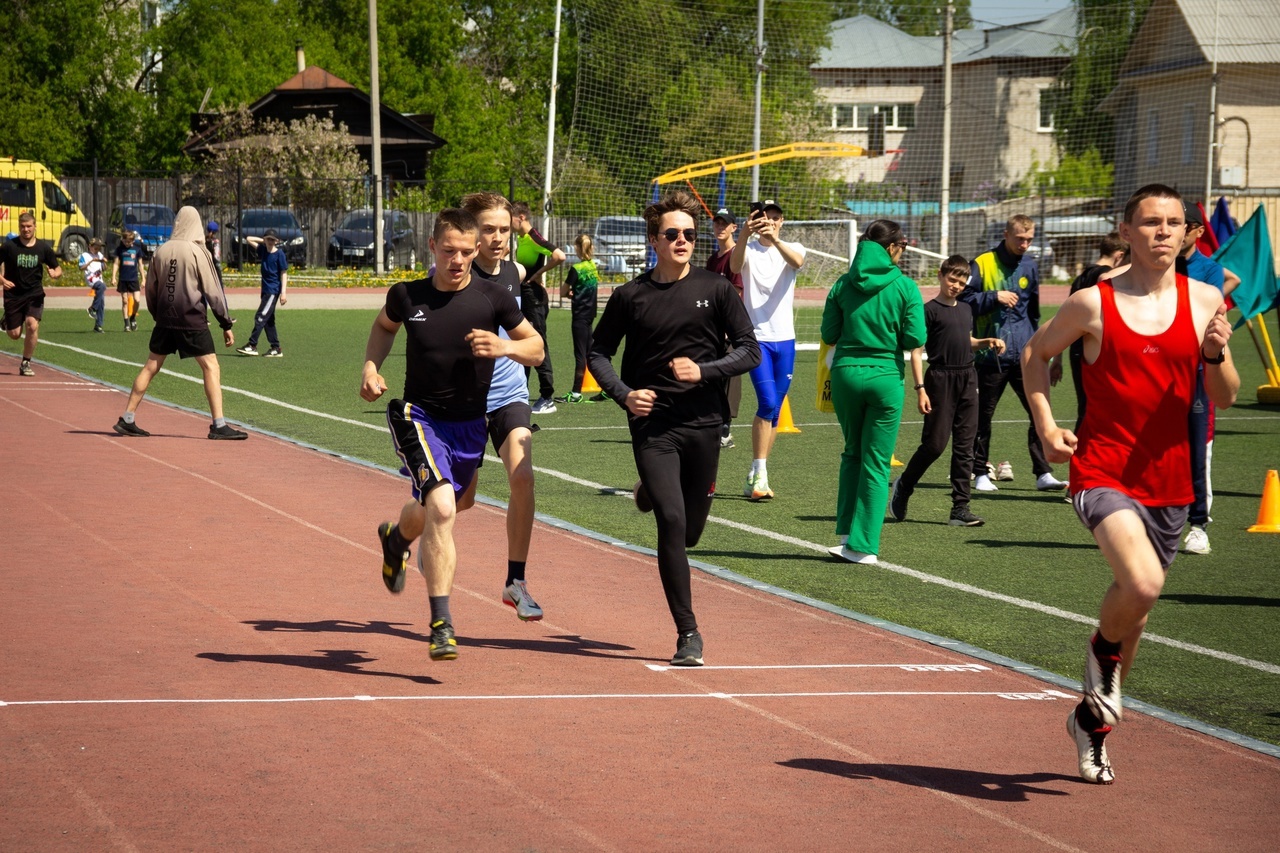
982 483
1004 472
516 595
1102 686
1095 767
1049 483
757 488
1197 541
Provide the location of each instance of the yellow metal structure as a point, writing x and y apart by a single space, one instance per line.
759 158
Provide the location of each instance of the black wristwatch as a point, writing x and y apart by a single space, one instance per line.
1222 356
921 385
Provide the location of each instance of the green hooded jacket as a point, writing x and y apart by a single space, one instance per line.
873 312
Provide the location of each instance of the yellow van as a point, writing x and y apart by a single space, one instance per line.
28 185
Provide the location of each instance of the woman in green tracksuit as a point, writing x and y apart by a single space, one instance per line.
873 313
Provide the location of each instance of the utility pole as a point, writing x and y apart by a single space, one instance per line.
760 66
551 125
1213 112
375 121
944 223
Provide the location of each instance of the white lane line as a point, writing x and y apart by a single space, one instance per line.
905 667
538 697
958 586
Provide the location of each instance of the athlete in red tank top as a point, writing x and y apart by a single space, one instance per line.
1135 440
1130 465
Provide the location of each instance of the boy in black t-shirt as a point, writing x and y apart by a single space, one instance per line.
948 395
22 263
451 321
679 323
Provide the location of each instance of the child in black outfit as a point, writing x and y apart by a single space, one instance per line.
948 395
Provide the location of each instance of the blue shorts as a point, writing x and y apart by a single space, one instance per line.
772 377
435 452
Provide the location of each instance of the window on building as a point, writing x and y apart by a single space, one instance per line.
858 116
1153 137
1044 123
1188 133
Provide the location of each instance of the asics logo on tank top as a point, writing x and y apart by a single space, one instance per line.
1150 350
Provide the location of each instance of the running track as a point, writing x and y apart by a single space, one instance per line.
198 654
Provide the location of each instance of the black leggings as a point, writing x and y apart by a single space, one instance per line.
677 465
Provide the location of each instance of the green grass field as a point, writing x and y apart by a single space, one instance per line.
1032 547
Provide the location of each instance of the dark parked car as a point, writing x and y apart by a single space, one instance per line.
352 244
254 222
152 222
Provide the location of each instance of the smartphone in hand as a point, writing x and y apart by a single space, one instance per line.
757 209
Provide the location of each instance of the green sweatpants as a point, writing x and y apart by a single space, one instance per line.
868 404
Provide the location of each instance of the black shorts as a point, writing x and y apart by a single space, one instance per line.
187 343
506 419
128 287
16 311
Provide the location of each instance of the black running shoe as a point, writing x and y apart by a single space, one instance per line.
226 432
443 644
898 502
130 429
393 564
688 650
961 516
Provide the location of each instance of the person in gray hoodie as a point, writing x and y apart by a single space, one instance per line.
182 285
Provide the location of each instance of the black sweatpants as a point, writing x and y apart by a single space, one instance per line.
581 329
991 383
534 307
677 465
953 393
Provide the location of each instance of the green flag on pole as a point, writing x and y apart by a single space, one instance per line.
1248 254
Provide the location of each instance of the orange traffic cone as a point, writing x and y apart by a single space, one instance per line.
1269 511
785 424
589 383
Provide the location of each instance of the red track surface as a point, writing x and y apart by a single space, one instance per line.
179 601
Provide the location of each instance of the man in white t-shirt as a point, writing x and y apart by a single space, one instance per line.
768 267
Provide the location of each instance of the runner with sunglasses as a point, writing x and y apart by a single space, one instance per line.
679 322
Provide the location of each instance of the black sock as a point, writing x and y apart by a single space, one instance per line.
1086 718
397 542
515 571
1103 646
440 608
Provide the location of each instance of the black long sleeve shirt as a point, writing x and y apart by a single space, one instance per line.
695 317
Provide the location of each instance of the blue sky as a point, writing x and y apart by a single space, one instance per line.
1012 11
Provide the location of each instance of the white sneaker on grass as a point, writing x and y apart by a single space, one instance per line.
1197 541
982 483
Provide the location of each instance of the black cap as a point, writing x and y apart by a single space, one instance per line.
723 213
1192 214
771 203
270 234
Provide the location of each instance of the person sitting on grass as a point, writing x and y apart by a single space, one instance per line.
948 395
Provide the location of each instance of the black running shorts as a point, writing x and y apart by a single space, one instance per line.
187 343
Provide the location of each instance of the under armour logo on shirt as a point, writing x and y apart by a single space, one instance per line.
703 303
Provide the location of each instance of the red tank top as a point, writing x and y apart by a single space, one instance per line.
1134 437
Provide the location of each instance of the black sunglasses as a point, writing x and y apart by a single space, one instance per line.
690 234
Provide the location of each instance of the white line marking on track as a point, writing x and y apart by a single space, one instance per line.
535 697
1036 606
906 667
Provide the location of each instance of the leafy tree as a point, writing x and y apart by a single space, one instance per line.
1105 29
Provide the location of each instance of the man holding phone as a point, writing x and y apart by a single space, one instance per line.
768 266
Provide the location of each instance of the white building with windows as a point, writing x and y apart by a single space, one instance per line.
884 90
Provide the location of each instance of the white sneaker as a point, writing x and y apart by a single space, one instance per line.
844 552
1197 541
1095 766
516 595
1049 483
982 483
1004 472
544 406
